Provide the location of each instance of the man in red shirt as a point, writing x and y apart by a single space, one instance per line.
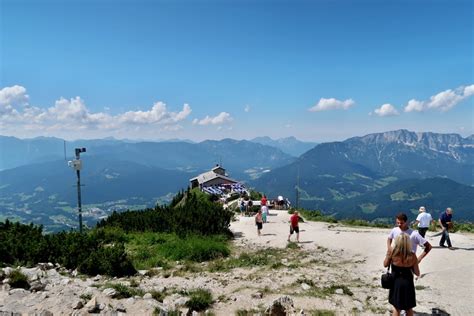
294 226
263 201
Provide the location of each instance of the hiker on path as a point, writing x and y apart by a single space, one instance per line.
264 210
249 207
415 237
259 221
403 264
294 226
423 220
242 206
446 222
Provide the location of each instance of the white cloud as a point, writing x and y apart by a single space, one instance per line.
386 110
247 108
443 101
221 118
331 104
73 114
11 97
157 115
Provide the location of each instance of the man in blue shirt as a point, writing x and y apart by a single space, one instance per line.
445 220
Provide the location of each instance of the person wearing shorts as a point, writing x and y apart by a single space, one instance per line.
294 226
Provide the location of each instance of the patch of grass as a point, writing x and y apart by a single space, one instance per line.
158 312
327 291
199 299
315 216
292 245
321 312
18 280
305 280
86 297
124 291
134 283
148 250
420 287
195 248
364 223
249 312
267 257
157 295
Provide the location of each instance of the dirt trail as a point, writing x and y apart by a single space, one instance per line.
447 280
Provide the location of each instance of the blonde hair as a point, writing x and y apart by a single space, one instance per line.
402 247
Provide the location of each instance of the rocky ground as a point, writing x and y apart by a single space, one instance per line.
334 268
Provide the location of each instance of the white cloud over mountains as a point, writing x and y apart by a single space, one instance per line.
72 114
331 104
12 96
443 101
219 119
386 110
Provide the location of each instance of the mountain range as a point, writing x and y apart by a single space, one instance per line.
370 177
332 172
289 145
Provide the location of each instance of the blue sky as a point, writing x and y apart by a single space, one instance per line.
316 70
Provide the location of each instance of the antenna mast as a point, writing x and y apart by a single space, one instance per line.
298 187
77 165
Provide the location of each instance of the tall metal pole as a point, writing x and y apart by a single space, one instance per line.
79 202
77 165
298 188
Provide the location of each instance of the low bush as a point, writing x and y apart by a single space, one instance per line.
199 300
463 227
110 260
18 280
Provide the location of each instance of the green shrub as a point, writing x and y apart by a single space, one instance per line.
101 250
195 213
110 260
86 297
464 227
18 280
199 299
124 291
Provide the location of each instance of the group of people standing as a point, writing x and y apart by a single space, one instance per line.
402 256
261 217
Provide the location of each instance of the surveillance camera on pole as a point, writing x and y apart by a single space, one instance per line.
76 164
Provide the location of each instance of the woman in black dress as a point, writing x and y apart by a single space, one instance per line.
404 264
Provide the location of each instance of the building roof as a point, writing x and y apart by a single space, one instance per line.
210 175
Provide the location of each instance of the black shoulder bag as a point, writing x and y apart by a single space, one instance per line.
387 279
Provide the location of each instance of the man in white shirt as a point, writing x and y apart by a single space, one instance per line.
423 220
415 237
